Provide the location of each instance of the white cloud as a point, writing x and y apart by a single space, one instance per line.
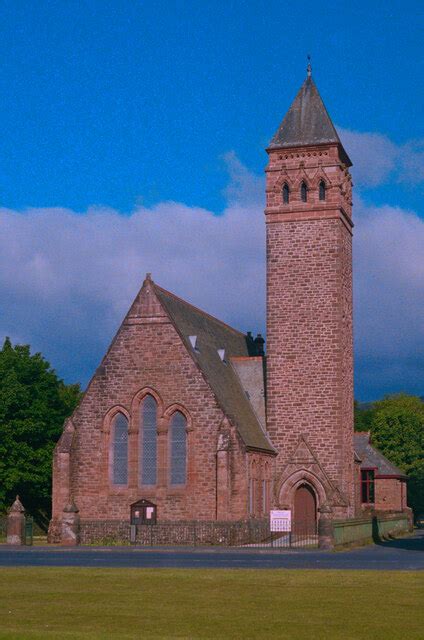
66 279
390 242
376 159
389 296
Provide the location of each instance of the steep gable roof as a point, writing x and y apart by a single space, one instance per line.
372 458
213 335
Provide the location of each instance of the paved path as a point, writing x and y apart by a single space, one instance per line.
405 553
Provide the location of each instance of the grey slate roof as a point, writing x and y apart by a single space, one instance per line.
372 458
307 121
212 334
250 372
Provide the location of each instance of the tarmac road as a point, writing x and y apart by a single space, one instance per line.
401 554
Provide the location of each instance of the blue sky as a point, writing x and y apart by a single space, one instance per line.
122 113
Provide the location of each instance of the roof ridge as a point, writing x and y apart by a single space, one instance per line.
204 313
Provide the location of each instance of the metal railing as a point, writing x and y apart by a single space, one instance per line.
302 535
29 531
242 534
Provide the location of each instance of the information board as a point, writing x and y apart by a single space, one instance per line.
280 520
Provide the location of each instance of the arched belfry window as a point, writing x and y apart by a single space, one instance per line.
303 192
178 448
322 190
120 449
148 441
286 193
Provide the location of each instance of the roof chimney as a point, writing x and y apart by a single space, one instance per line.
259 342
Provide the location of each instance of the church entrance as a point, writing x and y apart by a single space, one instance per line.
305 511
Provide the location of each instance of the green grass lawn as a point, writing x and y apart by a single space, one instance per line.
162 603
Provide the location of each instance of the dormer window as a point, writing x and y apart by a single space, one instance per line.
193 342
322 190
286 193
303 192
221 353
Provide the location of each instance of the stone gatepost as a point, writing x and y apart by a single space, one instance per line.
325 527
70 525
16 523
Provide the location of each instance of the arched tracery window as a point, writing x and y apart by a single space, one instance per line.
148 441
178 448
322 190
120 449
286 193
303 192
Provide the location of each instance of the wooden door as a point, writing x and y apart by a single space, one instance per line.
305 511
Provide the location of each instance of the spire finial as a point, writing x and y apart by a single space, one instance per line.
309 67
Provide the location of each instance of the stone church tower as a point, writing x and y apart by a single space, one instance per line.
309 309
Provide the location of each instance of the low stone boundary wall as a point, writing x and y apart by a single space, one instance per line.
363 530
109 532
255 533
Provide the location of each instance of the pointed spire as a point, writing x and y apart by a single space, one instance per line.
309 67
307 121
147 279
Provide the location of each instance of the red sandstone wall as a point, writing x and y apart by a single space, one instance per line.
390 494
309 321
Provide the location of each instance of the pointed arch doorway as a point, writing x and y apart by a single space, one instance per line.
305 511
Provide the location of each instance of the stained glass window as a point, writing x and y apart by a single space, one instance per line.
178 448
120 449
148 441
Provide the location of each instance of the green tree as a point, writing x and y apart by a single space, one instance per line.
363 415
397 427
34 403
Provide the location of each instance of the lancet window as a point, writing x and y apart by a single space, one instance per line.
286 193
178 448
120 450
148 441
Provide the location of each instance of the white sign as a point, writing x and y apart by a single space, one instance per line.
149 513
280 520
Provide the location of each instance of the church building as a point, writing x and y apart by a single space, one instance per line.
187 419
